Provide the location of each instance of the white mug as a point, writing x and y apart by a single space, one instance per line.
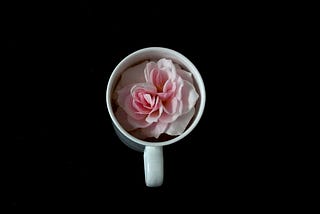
152 151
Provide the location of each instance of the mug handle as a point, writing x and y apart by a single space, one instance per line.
153 165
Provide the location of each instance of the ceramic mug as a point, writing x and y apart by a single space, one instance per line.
153 151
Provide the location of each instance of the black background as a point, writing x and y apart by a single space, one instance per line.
61 149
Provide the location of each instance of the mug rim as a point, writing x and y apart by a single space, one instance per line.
202 94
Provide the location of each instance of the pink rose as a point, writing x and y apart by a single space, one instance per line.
155 98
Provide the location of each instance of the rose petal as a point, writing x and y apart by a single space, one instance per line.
172 110
155 130
168 66
155 115
179 125
168 118
171 106
147 71
189 96
132 75
123 94
163 65
185 75
158 78
125 102
144 99
177 66
122 118
179 86
138 123
169 86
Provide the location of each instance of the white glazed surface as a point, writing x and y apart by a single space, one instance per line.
153 165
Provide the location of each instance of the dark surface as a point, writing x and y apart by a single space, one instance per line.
62 150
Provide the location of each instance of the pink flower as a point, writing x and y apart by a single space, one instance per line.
155 98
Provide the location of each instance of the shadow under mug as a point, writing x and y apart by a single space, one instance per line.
152 151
